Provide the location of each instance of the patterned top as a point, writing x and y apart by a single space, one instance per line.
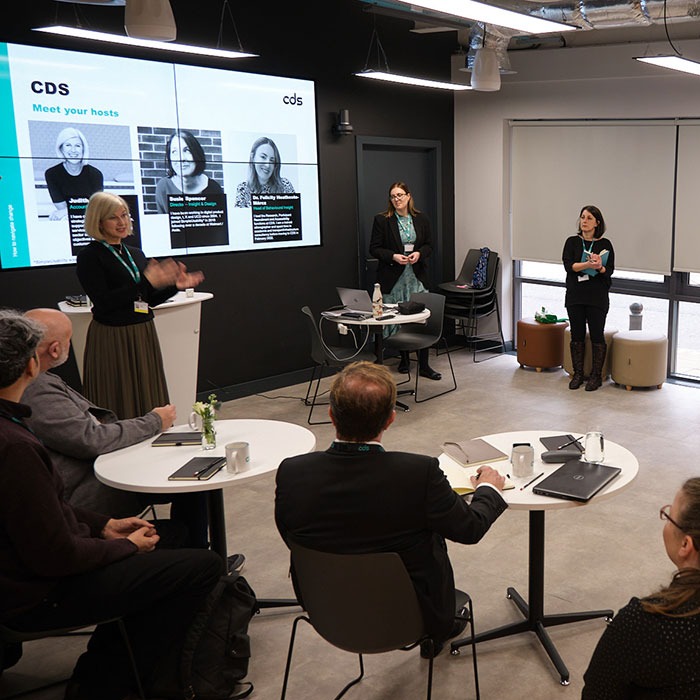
645 655
243 192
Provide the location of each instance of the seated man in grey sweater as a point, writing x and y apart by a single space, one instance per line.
75 432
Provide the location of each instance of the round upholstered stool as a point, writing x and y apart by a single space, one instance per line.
610 335
639 359
540 345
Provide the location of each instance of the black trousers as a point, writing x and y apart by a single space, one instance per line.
594 316
156 593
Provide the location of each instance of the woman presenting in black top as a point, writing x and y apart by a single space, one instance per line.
652 647
123 367
401 241
589 260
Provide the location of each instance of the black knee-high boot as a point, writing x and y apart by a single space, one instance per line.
578 349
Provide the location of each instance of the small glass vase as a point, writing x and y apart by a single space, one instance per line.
208 434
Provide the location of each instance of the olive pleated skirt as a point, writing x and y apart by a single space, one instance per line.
123 369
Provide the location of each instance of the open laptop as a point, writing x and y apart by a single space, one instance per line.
355 300
576 480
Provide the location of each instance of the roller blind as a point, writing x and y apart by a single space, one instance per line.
626 169
686 257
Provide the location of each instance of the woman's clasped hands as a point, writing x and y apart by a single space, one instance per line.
411 259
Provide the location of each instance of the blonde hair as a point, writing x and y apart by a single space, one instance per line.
100 206
70 132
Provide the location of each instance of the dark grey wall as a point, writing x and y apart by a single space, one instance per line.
242 343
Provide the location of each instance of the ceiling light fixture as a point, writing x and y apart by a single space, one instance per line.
150 19
146 21
382 72
685 65
469 9
675 61
486 75
410 80
145 43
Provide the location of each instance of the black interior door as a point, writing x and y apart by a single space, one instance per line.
382 161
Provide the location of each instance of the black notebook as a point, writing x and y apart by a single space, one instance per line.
198 469
170 439
576 481
556 442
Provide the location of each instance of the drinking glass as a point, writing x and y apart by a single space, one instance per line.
594 446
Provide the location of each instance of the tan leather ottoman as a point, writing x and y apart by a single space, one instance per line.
540 345
610 335
639 359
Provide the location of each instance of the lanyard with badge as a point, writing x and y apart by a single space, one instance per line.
583 277
140 306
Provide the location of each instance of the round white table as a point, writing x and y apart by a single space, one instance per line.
376 327
524 499
145 468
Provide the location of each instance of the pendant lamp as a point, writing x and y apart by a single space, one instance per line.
485 73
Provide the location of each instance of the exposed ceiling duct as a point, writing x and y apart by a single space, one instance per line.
589 15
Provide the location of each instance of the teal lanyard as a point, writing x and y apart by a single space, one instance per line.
131 267
588 250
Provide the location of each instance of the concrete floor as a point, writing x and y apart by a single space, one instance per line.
597 556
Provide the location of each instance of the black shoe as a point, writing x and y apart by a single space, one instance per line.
404 364
425 649
430 373
236 562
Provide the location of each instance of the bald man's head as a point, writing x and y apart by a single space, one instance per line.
55 345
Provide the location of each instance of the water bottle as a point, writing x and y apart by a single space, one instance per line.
377 301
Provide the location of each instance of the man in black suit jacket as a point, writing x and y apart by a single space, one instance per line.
356 497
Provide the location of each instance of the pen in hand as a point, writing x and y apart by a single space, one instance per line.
522 488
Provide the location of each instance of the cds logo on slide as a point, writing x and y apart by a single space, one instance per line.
292 100
48 88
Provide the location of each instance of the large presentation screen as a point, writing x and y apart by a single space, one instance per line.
209 160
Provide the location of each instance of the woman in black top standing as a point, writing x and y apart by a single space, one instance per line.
401 242
589 260
123 366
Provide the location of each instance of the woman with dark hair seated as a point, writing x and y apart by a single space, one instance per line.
652 647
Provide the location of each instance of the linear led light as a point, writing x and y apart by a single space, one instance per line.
145 43
409 80
685 65
469 9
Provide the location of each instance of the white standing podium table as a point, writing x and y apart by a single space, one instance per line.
177 323
533 609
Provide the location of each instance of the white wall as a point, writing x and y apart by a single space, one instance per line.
575 83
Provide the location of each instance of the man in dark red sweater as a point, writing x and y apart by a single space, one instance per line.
62 566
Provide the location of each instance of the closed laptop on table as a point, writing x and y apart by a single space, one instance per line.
576 481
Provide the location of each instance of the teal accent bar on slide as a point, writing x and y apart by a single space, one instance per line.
14 246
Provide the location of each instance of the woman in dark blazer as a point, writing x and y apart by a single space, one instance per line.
401 242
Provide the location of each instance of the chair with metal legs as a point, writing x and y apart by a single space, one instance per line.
11 636
414 337
326 356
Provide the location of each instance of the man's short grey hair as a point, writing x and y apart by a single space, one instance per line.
19 339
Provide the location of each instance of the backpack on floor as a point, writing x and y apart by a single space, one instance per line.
216 651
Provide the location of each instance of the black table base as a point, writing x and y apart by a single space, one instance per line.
533 611
217 535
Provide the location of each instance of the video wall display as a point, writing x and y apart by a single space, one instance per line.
208 160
